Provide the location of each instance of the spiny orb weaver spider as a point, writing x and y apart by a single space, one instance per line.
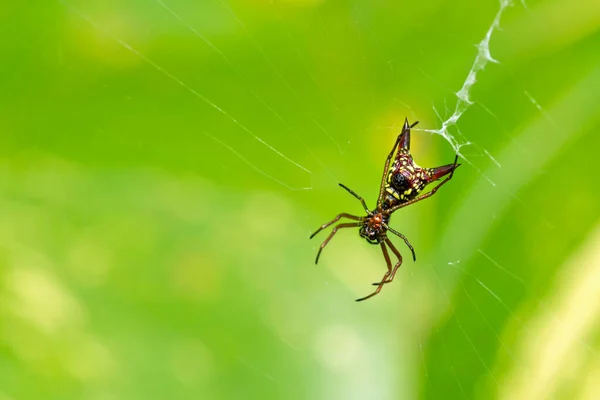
400 187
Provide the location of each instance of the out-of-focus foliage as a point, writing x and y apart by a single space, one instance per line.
164 162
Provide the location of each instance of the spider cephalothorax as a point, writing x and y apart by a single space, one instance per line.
401 186
372 228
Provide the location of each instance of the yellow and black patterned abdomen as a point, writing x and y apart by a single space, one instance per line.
404 181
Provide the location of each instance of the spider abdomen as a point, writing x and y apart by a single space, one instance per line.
405 181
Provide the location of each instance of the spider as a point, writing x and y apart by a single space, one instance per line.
401 185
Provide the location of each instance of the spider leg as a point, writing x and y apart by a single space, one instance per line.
385 277
362 201
398 264
403 238
426 195
336 219
388 262
333 232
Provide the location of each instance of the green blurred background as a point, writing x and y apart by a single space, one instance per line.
163 162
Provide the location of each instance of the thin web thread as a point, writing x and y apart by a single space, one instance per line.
464 102
277 72
469 340
169 75
203 38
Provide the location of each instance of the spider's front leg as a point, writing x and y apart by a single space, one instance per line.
336 219
333 221
333 232
387 274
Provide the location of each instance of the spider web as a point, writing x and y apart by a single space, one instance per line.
242 123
